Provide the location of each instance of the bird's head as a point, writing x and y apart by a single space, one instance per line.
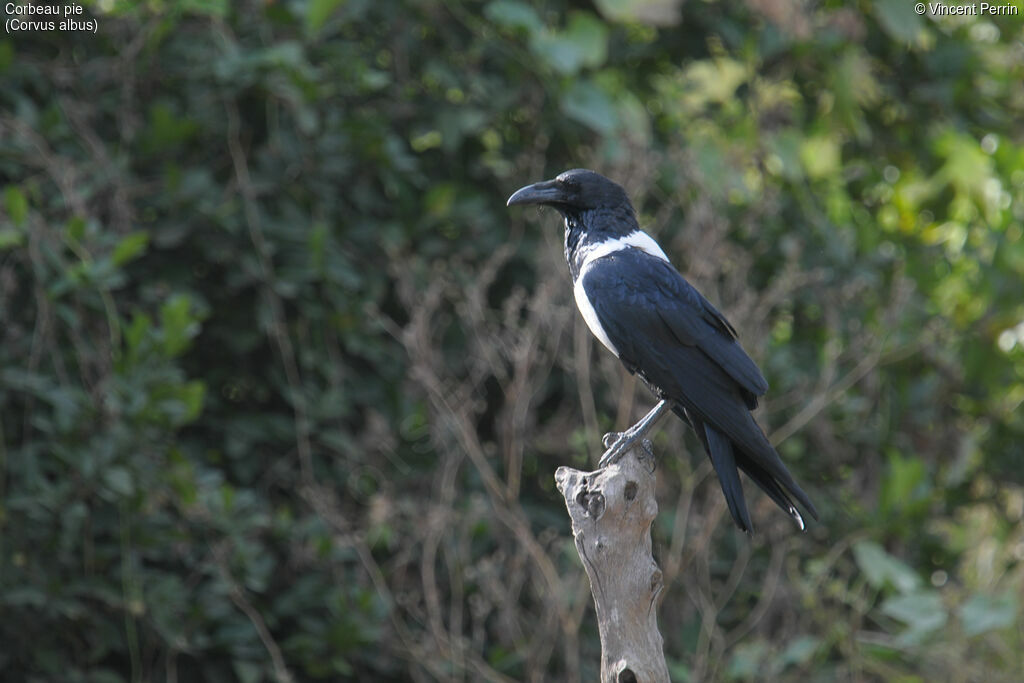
574 192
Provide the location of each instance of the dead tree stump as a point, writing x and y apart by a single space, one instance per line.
612 510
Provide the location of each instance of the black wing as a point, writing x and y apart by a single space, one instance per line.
670 335
654 316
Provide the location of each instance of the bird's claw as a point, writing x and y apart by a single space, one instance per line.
617 444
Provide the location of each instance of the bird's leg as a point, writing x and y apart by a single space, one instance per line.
618 443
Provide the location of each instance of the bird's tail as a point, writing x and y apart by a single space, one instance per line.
723 459
776 492
727 460
768 471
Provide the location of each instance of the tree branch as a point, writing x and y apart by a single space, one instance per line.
611 511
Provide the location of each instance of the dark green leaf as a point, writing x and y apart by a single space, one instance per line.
130 247
16 204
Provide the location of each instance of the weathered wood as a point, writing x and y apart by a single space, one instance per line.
612 510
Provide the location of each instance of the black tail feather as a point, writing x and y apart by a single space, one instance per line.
786 487
726 458
774 490
724 461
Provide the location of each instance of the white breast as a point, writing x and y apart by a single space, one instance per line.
590 315
638 239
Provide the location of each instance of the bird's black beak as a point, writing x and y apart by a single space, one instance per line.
546 192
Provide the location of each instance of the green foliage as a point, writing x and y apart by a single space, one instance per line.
283 383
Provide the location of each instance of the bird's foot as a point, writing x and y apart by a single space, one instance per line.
619 443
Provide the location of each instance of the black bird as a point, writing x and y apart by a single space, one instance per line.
662 329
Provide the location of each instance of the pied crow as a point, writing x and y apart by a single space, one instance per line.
661 328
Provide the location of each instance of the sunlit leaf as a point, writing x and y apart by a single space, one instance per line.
130 247
982 613
191 395
590 36
589 105
922 612
967 167
584 43
712 81
899 19
119 480
747 660
514 14
177 324
820 156
901 484
319 11
650 12
882 569
10 238
798 651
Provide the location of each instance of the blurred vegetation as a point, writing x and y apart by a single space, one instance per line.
283 384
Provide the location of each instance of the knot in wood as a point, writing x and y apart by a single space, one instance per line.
591 501
626 676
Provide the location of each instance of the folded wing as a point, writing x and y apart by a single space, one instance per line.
681 346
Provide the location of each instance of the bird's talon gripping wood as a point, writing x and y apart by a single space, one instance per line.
616 450
665 332
623 441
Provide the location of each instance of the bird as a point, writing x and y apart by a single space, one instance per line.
664 331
